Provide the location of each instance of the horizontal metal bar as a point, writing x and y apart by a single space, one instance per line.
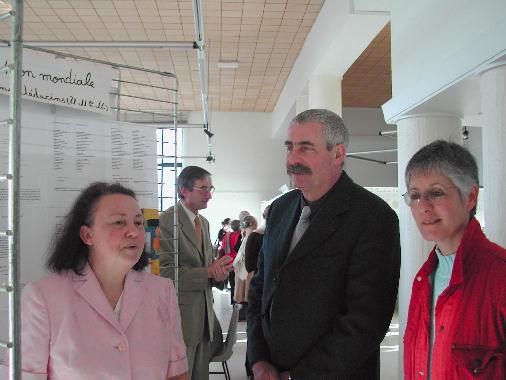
5 177
6 233
162 156
391 163
144 98
115 65
4 16
6 121
144 84
390 137
383 133
148 112
369 159
372 151
184 125
6 288
113 44
6 344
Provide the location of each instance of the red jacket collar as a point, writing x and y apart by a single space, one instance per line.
472 241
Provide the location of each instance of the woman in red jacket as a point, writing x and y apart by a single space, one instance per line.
456 327
229 246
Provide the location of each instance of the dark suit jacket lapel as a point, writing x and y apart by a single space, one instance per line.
284 239
188 230
326 220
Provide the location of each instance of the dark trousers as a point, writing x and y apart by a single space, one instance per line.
231 280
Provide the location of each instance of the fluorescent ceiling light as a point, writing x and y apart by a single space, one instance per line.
228 64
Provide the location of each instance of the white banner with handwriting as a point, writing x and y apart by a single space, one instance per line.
64 82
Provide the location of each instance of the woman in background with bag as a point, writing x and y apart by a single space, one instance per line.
242 279
229 246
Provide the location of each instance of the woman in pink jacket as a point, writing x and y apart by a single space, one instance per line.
456 327
99 316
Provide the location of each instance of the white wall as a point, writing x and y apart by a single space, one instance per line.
438 43
364 125
249 165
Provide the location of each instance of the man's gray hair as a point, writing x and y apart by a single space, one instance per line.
334 130
448 159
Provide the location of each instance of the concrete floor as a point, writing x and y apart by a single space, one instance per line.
389 346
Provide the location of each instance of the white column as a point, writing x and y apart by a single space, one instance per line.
324 91
414 132
301 104
493 109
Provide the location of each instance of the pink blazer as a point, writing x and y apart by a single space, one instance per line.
69 330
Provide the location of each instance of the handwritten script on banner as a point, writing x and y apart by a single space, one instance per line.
64 82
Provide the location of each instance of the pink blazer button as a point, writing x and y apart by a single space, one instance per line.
122 347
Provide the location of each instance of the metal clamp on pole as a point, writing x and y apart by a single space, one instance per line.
5 16
6 288
6 68
5 344
6 121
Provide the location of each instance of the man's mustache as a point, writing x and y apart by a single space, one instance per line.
298 169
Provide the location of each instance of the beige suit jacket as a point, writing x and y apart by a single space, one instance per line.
195 295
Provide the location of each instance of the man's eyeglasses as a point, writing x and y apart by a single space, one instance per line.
434 196
205 189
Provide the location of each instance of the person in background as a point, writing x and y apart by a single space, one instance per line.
198 272
251 252
241 274
253 246
242 215
322 298
99 315
225 226
229 246
456 328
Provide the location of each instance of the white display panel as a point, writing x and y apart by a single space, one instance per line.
62 152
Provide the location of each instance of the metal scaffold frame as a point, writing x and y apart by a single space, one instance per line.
122 115
12 177
14 125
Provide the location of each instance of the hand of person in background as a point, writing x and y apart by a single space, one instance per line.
219 269
265 371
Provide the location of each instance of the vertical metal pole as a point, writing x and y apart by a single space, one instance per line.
118 97
13 189
176 220
162 167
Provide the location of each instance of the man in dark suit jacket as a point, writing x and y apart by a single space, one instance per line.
321 310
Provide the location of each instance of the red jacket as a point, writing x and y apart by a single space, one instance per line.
470 341
233 237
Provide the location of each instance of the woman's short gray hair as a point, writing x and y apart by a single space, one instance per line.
448 159
334 130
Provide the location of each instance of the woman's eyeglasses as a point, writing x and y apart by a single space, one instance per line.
434 195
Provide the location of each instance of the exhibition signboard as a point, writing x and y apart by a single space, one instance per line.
61 81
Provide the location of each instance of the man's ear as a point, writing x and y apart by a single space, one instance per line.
85 234
184 192
340 152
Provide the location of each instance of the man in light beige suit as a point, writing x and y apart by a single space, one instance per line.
197 271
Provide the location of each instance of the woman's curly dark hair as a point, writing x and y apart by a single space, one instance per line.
68 251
